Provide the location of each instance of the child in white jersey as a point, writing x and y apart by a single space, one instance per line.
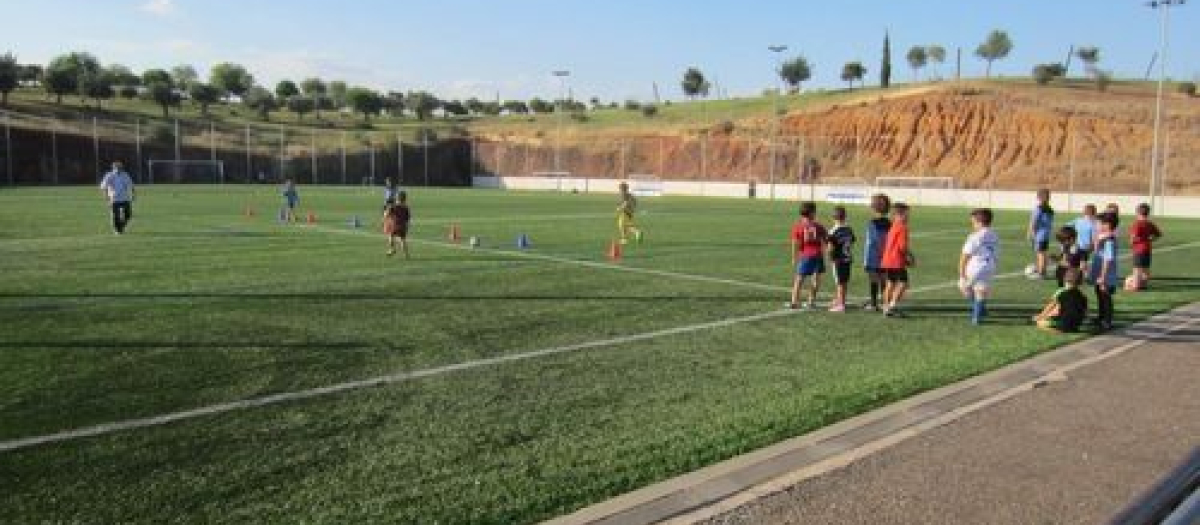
978 263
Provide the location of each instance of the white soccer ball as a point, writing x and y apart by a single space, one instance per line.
1031 271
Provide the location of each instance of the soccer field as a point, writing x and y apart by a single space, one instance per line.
487 385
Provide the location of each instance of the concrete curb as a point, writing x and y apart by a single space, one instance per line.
735 482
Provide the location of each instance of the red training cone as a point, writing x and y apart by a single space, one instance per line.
614 251
455 235
312 218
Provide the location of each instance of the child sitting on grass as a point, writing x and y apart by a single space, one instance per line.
1067 309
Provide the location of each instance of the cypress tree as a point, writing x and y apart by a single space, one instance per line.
885 69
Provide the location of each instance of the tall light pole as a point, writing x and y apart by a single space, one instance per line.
562 84
1164 6
778 50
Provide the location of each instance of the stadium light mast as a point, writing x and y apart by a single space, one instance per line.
1164 7
562 75
778 51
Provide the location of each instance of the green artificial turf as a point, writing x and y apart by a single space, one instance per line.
200 304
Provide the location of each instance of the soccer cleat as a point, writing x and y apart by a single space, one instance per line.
391 253
838 308
868 307
791 306
808 307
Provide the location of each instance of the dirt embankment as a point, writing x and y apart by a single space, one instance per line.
1018 137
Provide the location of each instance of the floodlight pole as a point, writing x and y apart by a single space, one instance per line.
562 84
778 50
1155 169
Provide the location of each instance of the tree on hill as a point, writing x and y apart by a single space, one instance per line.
1045 73
260 101
337 93
184 76
121 75
455 108
917 58
1188 88
31 73
10 76
794 72
1090 55
204 95
58 82
421 103
364 101
301 106
315 89
98 87
285 90
163 94
937 55
474 105
694 84
157 76
997 47
491 108
540 106
69 71
231 79
885 66
853 71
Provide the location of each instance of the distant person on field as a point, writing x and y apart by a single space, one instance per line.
1070 256
808 258
978 264
391 192
291 198
1085 234
1142 236
897 259
396 218
626 225
117 187
877 232
1041 224
1105 271
1067 309
841 254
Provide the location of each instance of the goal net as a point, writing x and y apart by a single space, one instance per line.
646 185
848 190
186 172
563 181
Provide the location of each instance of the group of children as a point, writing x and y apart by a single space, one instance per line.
887 256
396 214
1089 250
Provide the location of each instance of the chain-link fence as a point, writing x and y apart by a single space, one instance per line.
36 150
1075 162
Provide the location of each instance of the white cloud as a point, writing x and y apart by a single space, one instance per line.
159 7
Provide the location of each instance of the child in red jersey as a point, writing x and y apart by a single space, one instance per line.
1142 236
897 259
808 243
395 224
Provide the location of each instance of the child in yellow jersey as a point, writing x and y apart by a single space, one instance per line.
625 211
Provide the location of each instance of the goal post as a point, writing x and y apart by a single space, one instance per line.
848 190
186 172
564 181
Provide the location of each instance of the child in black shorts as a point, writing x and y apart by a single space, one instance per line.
841 250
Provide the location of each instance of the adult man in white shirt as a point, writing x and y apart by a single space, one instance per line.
117 187
978 264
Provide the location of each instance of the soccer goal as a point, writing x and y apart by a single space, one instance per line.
186 172
563 181
646 185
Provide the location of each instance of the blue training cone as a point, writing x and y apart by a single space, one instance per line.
355 222
523 242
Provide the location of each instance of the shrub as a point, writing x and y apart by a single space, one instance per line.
1188 88
649 111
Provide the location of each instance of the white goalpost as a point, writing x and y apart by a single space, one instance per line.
186 172
916 183
564 181
848 190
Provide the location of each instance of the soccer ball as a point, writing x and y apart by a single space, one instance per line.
1133 284
1031 272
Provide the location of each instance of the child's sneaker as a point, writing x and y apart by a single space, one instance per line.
808 307
391 253
838 308
868 307
791 306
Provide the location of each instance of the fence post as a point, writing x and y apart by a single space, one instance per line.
8 151
425 144
312 154
399 159
1071 174
137 145
343 144
249 161
282 152
54 148
96 144
371 145
801 163
992 172
1162 172
178 145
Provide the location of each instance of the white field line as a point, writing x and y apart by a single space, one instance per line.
285 397
273 399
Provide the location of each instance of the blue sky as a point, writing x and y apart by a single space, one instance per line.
615 49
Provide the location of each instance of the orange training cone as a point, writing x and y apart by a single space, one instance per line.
312 218
455 234
614 251
249 211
